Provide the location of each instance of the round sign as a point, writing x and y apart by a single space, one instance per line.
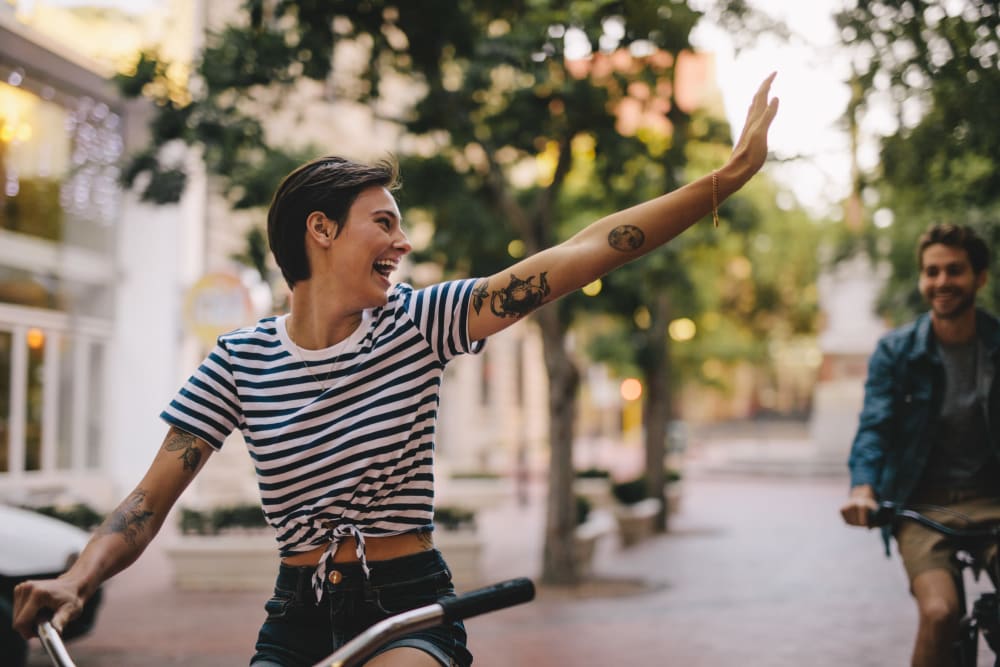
217 303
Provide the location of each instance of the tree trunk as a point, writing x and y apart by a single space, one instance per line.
558 559
657 408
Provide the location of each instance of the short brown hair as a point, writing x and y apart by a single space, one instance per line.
330 185
956 236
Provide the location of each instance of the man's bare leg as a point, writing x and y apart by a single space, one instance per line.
937 604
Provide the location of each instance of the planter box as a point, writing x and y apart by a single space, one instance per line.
462 550
595 489
239 562
636 522
227 562
585 540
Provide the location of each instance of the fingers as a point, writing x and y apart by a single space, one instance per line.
32 599
857 512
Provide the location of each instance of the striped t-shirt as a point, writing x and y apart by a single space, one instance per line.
356 455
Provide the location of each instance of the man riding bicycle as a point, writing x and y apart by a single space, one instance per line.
929 431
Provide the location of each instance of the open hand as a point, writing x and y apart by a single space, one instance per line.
750 151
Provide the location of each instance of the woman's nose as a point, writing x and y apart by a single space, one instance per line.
402 242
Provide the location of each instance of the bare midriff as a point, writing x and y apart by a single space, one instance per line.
376 548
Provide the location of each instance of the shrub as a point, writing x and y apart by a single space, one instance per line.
228 517
593 473
582 509
630 492
79 514
451 517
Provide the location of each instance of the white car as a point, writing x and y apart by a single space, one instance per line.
35 546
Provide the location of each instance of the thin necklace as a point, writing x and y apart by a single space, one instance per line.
333 363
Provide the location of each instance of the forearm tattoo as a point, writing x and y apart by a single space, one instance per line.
626 238
179 441
518 299
129 519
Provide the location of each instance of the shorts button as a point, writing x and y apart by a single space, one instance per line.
335 576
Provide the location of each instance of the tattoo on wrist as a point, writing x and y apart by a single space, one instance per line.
520 297
626 238
129 519
179 441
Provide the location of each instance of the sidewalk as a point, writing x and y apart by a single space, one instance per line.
755 571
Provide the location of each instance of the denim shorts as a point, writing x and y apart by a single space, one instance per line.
298 631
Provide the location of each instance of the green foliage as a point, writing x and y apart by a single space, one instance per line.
451 517
81 515
583 507
631 491
593 473
940 165
248 516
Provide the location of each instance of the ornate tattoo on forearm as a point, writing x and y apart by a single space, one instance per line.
129 519
626 238
518 299
179 441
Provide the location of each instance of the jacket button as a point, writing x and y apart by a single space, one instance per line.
335 577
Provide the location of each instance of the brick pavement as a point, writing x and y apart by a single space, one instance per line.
756 571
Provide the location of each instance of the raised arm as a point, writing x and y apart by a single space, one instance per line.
120 540
505 297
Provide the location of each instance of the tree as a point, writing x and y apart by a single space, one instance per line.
507 87
934 65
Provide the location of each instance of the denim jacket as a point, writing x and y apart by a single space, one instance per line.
903 394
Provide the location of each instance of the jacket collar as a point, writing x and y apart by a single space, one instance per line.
987 331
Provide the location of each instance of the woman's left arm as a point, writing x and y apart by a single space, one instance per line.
507 296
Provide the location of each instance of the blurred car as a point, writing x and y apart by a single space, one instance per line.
35 546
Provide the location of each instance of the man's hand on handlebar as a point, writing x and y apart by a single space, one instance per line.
860 504
33 598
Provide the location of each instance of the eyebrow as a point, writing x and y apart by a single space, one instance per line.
385 211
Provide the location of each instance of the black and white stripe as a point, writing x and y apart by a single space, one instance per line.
357 450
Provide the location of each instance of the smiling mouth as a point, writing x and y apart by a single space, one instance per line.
384 267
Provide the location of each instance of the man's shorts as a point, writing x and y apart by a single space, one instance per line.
924 549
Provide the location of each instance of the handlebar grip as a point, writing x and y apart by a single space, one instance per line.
884 515
491 598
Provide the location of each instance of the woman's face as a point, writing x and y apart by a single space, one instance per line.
369 247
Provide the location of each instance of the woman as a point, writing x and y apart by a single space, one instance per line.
337 402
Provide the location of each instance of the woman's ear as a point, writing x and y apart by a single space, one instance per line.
319 228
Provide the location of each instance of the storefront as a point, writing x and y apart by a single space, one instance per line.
90 282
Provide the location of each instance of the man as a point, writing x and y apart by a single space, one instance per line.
929 428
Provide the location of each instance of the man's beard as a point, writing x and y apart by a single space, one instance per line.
964 301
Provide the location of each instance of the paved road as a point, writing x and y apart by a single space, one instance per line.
755 572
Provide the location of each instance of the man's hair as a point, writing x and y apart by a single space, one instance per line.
328 184
956 236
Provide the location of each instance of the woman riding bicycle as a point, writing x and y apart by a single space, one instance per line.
337 402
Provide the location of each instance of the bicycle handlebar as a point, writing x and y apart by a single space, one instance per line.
888 512
491 598
54 646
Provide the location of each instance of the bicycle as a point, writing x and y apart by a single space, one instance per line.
474 603
983 616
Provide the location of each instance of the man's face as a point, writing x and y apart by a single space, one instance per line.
947 281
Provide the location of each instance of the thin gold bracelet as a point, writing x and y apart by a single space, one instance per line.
715 198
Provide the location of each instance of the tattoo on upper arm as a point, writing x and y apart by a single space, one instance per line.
626 238
520 297
480 295
185 444
129 519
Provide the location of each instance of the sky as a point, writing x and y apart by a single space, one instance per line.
812 93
